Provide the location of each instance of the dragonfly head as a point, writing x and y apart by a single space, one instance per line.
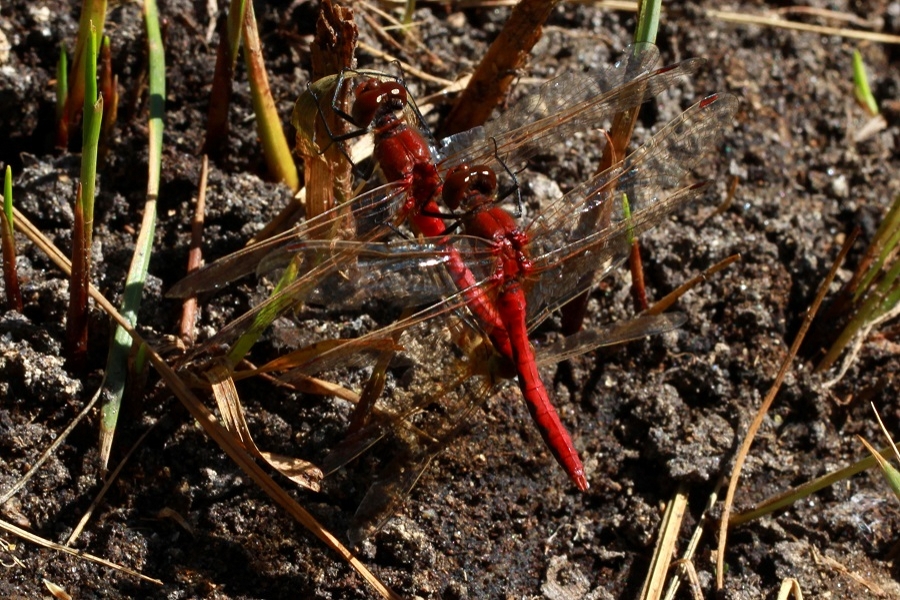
469 187
375 98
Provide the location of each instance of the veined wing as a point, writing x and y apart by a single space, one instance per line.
446 394
401 273
370 215
589 231
374 212
504 149
388 269
585 232
555 95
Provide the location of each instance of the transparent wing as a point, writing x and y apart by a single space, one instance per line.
589 230
403 273
438 405
369 216
580 238
562 92
575 109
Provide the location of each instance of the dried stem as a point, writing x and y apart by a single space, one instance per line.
195 256
499 66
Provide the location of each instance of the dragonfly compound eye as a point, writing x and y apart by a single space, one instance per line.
375 98
469 186
483 180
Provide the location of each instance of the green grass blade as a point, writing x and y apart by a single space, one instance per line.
236 14
647 20
92 121
7 239
878 290
408 12
807 489
861 85
62 82
157 95
117 361
82 234
262 321
891 299
7 195
62 96
91 23
885 242
626 212
891 475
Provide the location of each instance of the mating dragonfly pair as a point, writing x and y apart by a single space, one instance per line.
480 279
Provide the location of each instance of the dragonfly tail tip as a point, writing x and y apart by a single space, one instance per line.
581 481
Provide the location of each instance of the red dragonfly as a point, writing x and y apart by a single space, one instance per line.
404 155
406 159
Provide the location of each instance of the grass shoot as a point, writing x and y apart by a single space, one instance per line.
872 294
8 243
109 91
229 29
785 499
620 136
241 26
891 475
62 94
409 8
117 364
82 234
268 124
90 24
195 255
861 88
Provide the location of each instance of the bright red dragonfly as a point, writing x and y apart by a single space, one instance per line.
406 159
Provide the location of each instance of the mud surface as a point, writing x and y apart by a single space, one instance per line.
494 517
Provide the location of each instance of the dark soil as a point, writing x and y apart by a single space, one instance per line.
493 517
